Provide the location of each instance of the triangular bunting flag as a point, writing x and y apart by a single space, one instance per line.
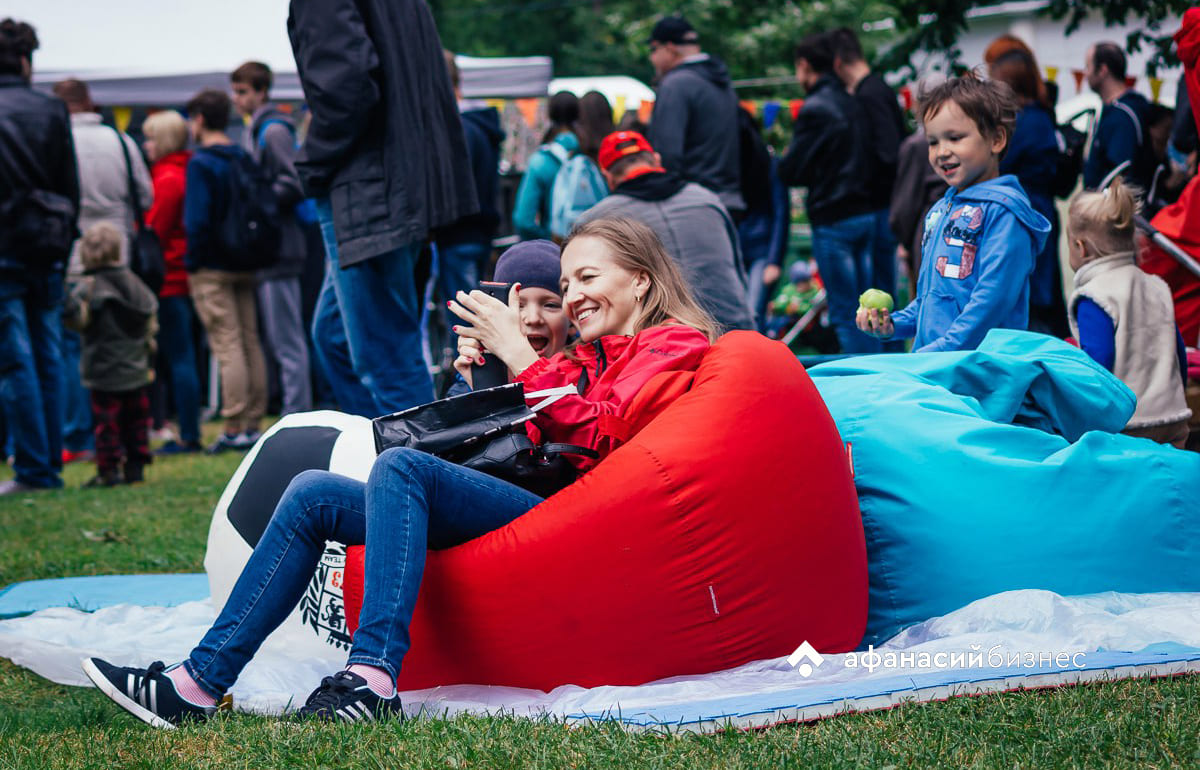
619 108
122 116
770 113
1155 89
529 110
1078 75
1052 74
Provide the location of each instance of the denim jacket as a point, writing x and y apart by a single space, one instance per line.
978 252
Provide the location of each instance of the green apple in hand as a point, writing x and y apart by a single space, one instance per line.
876 299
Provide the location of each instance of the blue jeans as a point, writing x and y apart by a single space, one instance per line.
175 323
31 374
411 502
76 404
459 266
883 267
380 313
843 251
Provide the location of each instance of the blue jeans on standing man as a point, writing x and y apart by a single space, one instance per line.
843 251
411 502
76 403
376 362
31 373
459 267
175 324
884 267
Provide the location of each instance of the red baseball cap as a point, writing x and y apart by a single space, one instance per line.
619 144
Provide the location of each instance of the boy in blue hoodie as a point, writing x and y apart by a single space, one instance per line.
981 239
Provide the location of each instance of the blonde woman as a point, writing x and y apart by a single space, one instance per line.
636 318
166 141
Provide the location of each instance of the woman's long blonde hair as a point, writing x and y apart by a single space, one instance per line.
1104 220
636 248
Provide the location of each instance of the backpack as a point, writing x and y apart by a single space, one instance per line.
306 210
249 231
755 163
578 186
1071 145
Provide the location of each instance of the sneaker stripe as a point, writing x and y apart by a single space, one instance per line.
154 695
131 685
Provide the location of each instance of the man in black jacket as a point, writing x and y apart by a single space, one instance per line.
386 160
885 129
465 246
828 155
694 125
39 196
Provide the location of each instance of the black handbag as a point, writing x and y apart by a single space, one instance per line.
39 226
482 430
145 251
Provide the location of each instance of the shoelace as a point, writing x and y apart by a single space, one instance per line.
156 668
329 695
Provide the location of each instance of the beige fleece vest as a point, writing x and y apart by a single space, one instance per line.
1143 317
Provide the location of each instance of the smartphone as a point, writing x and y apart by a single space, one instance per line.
496 289
493 372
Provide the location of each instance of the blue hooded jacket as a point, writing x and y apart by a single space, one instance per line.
979 250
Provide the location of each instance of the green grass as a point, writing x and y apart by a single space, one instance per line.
162 526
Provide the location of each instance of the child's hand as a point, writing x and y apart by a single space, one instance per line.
469 352
875 322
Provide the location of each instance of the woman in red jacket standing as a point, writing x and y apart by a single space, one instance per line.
636 318
166 136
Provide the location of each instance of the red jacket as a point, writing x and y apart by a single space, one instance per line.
1180 221
165 218
616 368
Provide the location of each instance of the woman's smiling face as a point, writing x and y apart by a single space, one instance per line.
601 297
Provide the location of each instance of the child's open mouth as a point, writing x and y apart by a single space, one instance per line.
538 342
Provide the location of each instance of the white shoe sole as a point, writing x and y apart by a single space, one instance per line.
121 699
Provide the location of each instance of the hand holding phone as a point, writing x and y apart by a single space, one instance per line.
492 372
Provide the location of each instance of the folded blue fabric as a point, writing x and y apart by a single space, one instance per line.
1001 468
92 593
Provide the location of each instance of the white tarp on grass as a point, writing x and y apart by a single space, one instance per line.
1025 638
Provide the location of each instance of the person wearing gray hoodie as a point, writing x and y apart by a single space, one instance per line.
270 139
694 126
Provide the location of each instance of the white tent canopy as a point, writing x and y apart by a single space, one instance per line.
509 77
632 90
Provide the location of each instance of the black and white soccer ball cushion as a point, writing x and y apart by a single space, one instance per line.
324 440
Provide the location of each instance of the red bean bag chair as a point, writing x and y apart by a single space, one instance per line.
726 530
1180 221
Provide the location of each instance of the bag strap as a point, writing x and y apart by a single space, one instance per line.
134 201
549 396
261 135
569 449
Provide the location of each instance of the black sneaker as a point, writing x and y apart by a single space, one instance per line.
106 479
347 696
147 693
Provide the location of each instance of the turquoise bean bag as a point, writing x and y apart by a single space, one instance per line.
1001 468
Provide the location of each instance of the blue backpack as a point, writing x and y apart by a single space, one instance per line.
578 186
306 210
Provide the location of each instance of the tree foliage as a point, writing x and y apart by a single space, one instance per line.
935 25
754 37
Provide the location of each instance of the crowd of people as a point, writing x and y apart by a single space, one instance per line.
650 241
